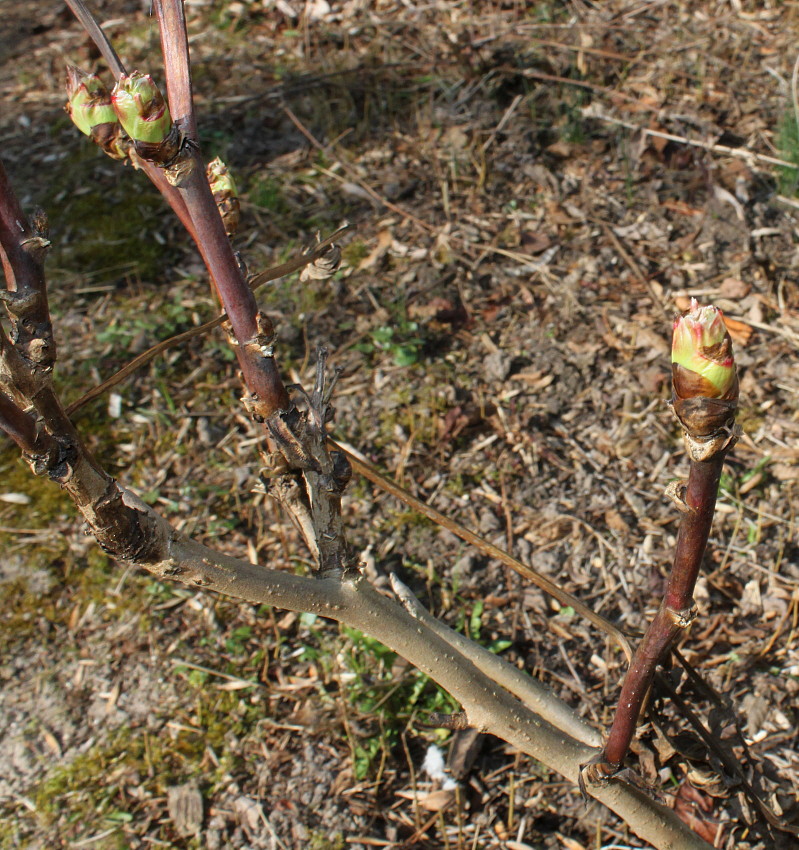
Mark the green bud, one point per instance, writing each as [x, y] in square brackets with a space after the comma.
[90, 108]
[701, 354]
[89, 101]
[220, 178]
[225, 194]
[141, 109]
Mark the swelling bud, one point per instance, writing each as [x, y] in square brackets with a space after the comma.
[225, 194]
[704, 379]
[144, 114]
[701, 354]
[90, 108]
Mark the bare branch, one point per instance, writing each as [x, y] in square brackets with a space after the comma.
[89, 22]
[169, 554]
[533, 694]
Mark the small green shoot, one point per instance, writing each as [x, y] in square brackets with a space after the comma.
[401, 340]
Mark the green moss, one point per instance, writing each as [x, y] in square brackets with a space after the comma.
[319, 841]
[48, 501]
[354, 253]
[110, 231]
[91, 792]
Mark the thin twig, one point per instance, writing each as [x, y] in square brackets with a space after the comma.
[89, 22]
[712, 147]
[359, 464]
[145, 357]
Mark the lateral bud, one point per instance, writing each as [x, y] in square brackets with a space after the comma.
[144, 115]
[225, 194]
[90, 108]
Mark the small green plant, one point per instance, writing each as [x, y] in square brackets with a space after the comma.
[376, 691]
[401, 340]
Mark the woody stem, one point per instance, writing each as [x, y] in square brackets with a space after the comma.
[676, 610]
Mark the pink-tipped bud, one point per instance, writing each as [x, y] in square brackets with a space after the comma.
[704, 380]
[701, 354]
[143, 113]
[90, 108]
[141, 108]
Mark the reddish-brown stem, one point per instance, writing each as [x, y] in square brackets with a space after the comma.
[700, 500]
[175, 47]
[194, 205]
[19, 425]
[22, 250]
[676, 610]
[258, 366]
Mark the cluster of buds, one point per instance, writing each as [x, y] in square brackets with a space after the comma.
[225, 194]
[133, 114]
[704, 380]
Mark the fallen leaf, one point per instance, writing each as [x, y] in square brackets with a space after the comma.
[615, 521]
[731, 287]
[435, 801]
[384, 240]
[694, 809]
[185, 804]
[739, 331]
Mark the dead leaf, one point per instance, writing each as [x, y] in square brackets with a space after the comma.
[384, 240]
[694, 809]
[731, 287]
[739, 331]
[534, 242]
[681, 208]
[561, 149]
[615, 521]
[185, 805]
[465, 747]
[435, 801]
[566, 843]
